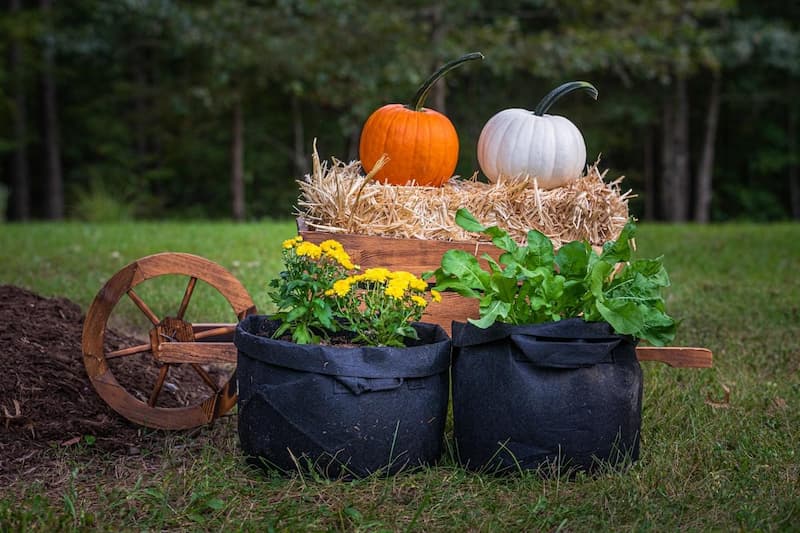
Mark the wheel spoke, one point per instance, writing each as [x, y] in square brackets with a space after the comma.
[186, 296]
[143, 307]
[208, 380]
[133, 350]
[224, 330]
[162, 375]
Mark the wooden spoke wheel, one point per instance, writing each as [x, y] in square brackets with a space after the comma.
[174, 343]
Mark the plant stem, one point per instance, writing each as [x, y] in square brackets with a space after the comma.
[563, 90]
[422, 93]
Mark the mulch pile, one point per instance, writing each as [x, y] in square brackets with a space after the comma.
[46, 398]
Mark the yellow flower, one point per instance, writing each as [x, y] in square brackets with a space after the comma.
[399, 283]
[419, 300]
[378, 275]
[341, 286]
[331, 245]
[341, 257]
[308, 249]
[436, 295]
[288, 244]
[410, 280]
[394, 291]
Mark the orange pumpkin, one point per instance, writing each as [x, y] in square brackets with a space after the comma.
[421, 144]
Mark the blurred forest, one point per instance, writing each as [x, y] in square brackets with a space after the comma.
[114, 109]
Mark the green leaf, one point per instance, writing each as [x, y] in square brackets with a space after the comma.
[624, 316]
[597, 277]
[216, 504]
[504, 288]
[301, 334]
[538, 251]
[653, 270]
[573, 259]
[465, 267]
[491, 311]
[493, 265]
[296, 313]
[456, 285]
[659, 328]
[502, 239]
[619, 251]
[468, 222]
[553, 287]
[324, 314]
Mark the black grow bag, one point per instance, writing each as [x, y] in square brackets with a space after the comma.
[342, 411]
[565, 393]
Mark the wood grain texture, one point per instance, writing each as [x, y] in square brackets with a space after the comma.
[197, 352]
[677, 356]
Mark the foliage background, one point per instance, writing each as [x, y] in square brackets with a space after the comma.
[145, 96]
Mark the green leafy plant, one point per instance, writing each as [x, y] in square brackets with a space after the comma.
[320, 293]
[534, 283]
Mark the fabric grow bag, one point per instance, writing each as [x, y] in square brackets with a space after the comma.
[342, 411]
[565, 393]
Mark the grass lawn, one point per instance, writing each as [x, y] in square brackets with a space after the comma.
[706, 463]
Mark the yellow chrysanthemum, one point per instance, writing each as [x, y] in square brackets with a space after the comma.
[341, 257]
[288, 244]
[419, 300]
[436, 296]
[400, 284]
[308, 249]
[378, 275]
[410, 279]
[342, 286]
[331, 245]
[394, 291]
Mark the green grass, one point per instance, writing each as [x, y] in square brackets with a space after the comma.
[705, 464]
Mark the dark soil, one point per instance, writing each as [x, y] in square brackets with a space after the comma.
[47, 401]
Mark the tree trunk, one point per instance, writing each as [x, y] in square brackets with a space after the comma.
[55, 181]
[666, 187]
[301, 160]
[705, 170]
[794, 165]
[140, 104]
[649, 175]
[20, 175]
[675, 178]
[681, 199]
[237, 162]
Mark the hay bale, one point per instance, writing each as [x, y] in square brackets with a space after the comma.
[339, 198]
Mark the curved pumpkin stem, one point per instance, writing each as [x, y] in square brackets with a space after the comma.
[422, 93]
[563, 90]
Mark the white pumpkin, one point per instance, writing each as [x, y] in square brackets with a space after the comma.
[517, 143]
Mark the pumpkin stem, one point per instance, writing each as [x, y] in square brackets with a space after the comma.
[422, 93]
[563, 90]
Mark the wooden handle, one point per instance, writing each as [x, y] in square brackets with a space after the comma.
[676, 356]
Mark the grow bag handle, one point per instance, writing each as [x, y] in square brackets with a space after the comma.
[361, 385]
[576, 353]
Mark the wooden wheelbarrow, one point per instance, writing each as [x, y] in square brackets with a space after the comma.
[174, 341]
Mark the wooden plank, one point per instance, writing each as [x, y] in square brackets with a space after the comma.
[412, 255]
[676, 356]
[197, 352]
